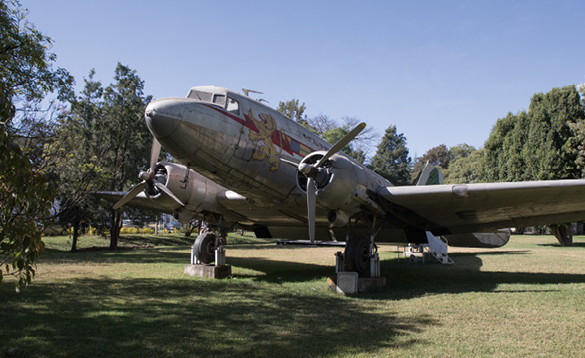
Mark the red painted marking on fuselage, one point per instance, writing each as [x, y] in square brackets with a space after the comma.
[279, 138]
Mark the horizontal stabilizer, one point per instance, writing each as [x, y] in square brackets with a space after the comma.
[488, 239]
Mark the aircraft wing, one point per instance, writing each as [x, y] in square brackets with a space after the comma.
[163, 204]
[467, 208]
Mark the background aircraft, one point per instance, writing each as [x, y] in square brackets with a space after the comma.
[246, 164]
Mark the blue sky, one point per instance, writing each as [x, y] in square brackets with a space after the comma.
[443, 72]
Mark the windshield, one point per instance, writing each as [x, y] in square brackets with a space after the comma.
[202, 96]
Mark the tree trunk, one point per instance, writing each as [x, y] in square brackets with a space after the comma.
[115, 226]
[563, 234]
[76, 226]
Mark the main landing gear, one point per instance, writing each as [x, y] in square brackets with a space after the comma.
[358, 268]
[208, 248]
[206, 245]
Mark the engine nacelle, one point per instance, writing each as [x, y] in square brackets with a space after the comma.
[194, 190]
[342, 186]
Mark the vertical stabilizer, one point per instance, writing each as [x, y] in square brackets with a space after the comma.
[430, 175]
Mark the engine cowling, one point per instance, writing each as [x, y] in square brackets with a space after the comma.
[194, 190]
[342, 186]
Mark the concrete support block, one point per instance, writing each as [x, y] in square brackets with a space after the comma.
[208, 271]
[348, 283]
[371, 284]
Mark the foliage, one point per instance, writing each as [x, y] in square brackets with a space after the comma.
[77, 168]
[391, 159]
[438, 156]
[110, 123]
[468, 169]
[330, 130]
[25, 199]
[26, 77]
[539, 144]
[578, 140]
[293, 110]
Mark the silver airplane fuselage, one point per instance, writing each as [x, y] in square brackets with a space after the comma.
[238, 142]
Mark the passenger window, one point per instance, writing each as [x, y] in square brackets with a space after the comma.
[233, 106]
[219, 99]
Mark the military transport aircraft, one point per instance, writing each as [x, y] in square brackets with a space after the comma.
[247, 165]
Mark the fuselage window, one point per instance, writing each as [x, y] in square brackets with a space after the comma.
[219, 99]
[233, 106]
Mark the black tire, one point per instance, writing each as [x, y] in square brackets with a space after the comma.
[357, 255]
[205, 247]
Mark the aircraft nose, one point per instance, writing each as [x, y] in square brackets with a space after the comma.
[163, 116]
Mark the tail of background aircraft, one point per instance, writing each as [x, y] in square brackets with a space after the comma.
[432, 175]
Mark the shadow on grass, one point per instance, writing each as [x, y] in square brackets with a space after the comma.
[190, 318]
[576, 245]
[279, 271]
[407, 281]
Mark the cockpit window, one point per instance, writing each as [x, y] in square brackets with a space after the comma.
[202, 96]
[233, 106]
[219, 99]
[216, 98]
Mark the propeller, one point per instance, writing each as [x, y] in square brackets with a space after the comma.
[149, 182]
[315, 172]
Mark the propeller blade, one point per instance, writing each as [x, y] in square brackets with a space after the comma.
[131, 195]
[311, 207]
[342, 143]
[154, 154]
[289, 162]
[168, 192]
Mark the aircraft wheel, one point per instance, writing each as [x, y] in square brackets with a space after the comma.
[205, 247]
[357, 255]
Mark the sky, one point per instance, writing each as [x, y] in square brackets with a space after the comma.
[442, 72]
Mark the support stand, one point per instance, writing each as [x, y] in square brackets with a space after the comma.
[349, 282]
[217, 271]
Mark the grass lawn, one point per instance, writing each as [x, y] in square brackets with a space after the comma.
[525, 299]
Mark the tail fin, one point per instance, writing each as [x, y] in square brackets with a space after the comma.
[430, 175]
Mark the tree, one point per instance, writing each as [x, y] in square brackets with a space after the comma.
[77, 168]
[125, 139]
[333, 135]
[541, 144]
[460, 151]
[437, 156]
[548, 150]
[293, 110]
[391, 159]
[26, 76]
[578, 140]
[468, 169]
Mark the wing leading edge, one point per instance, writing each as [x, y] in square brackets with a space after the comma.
[466, 208]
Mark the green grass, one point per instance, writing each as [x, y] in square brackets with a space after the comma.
[526, 299]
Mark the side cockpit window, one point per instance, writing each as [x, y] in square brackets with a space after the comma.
[219, 99]
[233, 106]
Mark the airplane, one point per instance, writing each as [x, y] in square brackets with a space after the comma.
[245, 164]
